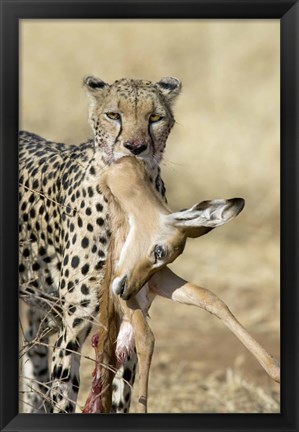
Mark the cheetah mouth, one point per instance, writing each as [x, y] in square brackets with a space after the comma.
[146, 153]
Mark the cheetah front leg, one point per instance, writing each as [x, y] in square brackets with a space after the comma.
[65, 377]
[123, 383]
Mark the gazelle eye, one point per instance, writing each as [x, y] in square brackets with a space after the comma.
[113, 115]
[154, 118]
[159, 253]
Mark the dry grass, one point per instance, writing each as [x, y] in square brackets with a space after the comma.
[225, 143]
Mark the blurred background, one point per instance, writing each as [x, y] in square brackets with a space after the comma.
[225, 143]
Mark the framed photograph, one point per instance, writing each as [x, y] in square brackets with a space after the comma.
[218, 81]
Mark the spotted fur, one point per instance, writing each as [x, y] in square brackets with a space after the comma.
[65, 232]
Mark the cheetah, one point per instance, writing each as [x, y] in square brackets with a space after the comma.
[64, 232]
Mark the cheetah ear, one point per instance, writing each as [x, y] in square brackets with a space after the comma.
[169, 87]
[94, 86]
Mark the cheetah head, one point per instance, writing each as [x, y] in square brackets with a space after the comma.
[131, 117]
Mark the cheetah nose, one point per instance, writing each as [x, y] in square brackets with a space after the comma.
[135, 147]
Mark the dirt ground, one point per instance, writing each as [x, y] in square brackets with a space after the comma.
[225, 143]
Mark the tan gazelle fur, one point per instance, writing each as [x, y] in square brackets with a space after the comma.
[150, 224]
[146, 236]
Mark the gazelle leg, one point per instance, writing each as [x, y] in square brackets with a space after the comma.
[167, 284]
[145, 341]
[100, 397]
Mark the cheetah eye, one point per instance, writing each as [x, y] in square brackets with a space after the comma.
[159, 253]
[155, 117]
[113, 115]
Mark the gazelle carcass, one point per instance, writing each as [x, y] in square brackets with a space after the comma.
[146, 236]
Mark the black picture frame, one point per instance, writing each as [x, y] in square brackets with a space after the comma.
[287, 11]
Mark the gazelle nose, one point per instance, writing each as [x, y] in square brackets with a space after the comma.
[119, 285]
[135, 147]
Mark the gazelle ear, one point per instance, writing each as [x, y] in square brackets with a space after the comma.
[169, 87]
[203, 217]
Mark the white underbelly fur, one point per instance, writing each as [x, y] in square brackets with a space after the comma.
[125, 342]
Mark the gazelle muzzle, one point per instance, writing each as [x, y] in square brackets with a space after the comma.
[119, 286]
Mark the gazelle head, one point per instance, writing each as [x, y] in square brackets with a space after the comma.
[147, 235]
